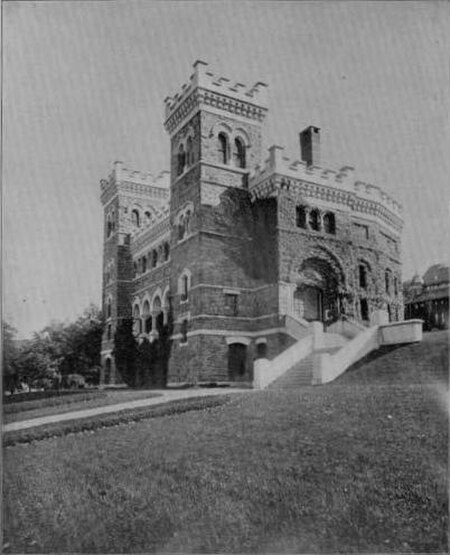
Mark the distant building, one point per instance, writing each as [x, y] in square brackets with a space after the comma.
[234, 243]
[427, 298]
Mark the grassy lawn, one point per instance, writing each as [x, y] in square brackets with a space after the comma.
[358, 465]
[26, 410]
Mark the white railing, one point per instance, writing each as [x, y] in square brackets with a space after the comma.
[266, 371]
[328, 367]
[295, 327]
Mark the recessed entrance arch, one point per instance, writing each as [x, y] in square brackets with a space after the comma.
[316, 297]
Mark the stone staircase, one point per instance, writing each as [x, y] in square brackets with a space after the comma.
[301, 374]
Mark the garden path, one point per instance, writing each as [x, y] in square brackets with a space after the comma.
[164, 396]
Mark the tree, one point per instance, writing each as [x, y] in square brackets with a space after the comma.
[10, 354]
[125, 352]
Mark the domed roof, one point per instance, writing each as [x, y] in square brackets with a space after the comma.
[416, 280]
[438, 273]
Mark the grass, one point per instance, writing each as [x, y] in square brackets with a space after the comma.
[358, 465]
[127, 416]
[26, 410]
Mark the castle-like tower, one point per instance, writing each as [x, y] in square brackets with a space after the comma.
[241, 253]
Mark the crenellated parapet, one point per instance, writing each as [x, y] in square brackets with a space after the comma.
[138, 183]
[205, 90]
[279, 173]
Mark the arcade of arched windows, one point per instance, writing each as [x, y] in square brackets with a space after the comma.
[231, 149]
[314, 219]
[149, 315]
[157, 256]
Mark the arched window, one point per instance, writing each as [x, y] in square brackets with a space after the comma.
[181, 160]
[189, 152]
[395, 286]
[154, 258]
[144, 264]
[135, 269]
[362, 271]
[166, 251]
[108, 308]
[108, 334]
[157, 304]
[239, 153]
[135, 218]
[329, 223]
[223, 148]
[300, 216]
[147, 317]
[148, 217]
[314, 220]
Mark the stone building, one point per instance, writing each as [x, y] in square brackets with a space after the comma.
[236, 245]
[427, 298]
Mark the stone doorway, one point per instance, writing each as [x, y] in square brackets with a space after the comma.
[237, 361]
[316, 297]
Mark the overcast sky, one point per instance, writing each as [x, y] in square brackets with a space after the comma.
[84, 84]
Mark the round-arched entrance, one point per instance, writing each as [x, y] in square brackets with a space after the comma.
[316, 297]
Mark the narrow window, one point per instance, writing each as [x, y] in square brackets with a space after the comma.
[108, 334]
[301, 216]
[184, 288]
[395, 286]
[135, 269]
[314, 220]
[189, 153]
[144, 264]
[181, 228]
[108, 309]
[166, 251]
[329, 223]
[148, 217]
[231, 304]
[154, 258]
[137, 327]
[135, 218]
[223, 148]
[387, 282]
[109, 226]
[239, 153]
[362, 276]
[184, 330]
[181, 160]
[187, 222]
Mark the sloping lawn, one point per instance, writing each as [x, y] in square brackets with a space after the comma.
[347, 467]
[26, 410]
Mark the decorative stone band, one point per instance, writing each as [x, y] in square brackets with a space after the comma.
[202, 99]
[150, 233]
[230, 334]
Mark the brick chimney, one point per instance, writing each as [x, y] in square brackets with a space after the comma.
[310, 145]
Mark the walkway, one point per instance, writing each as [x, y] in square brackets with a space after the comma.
[164, 396]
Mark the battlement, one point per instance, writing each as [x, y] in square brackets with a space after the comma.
[121, 173]
[342, 179]
[204, 79]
